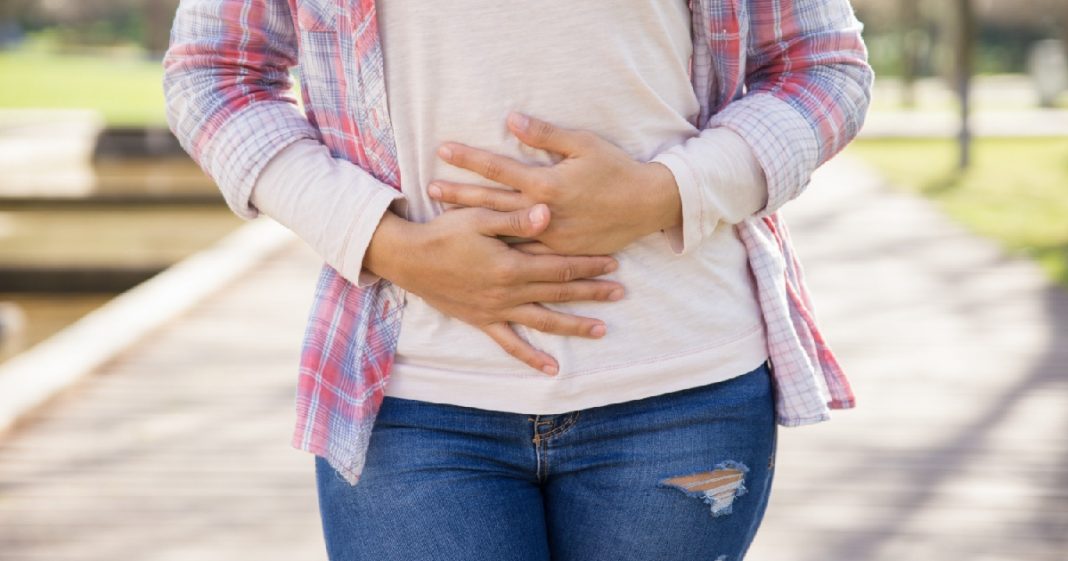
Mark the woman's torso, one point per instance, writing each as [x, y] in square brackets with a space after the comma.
[621, 69]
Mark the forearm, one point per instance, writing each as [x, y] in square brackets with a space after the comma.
[331, 204]
[717, 178]
[391, 248]
[662, 198]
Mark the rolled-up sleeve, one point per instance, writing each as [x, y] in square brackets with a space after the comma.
[228, 90]
[808, 88]
[329, 203]
[719, 181]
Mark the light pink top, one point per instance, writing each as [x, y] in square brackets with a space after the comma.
[690, 316]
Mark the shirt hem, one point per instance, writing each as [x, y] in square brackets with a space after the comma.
[546, 395]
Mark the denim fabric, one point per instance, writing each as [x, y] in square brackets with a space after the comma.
[449, 483]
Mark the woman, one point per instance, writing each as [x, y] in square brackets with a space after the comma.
[587, 355]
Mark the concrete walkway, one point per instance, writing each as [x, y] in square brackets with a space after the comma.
[959, 357]
[179, 449]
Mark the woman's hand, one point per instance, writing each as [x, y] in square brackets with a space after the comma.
[601, 199]
[459, 266]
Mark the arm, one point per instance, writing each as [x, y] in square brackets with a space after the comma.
[357, 235]
[227, 88]
[603, 200]
[434, 260]
[324, 201]
[808, 90]
[809, 87]
[718, 179]
[227, 84]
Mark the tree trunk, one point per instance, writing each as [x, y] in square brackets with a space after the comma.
[158, 17]
[910, 35]
[965, 66]
[7, 11]
[1062, 18]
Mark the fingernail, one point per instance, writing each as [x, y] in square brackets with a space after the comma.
[445, 152]
[598, 331]
[611, 267]
[549, 369]
[519, 120]
[616, 294]
[434, 190]
[537, 214]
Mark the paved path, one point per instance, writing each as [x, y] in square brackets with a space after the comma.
[957, 450]
[959, 357]
[179, 449]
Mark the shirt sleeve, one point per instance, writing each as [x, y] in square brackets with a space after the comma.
[807, 90]
[719, 179]
[329, 203]
[228, 90]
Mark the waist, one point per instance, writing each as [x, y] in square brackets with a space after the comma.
[674, 305]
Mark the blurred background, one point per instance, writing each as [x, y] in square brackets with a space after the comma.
[936, 246]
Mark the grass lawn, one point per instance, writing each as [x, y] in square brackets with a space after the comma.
[126, 89]
[1016, 191]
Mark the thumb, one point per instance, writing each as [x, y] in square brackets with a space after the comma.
[523, 223]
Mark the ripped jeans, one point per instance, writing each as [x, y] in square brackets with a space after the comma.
[679, 476]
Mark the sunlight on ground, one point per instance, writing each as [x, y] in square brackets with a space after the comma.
[1016, 191]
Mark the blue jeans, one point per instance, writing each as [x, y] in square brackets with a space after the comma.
[680, 476]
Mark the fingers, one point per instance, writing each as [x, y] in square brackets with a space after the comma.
[524, 223]
[533, 248]
[494, 167]
[563, 268]
[601, 291]
[550, 321]
[501, 200]
[503, 334]
[542, 134]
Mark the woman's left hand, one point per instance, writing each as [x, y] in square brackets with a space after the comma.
[600, 198]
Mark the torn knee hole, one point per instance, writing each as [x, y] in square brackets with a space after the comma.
[718, 487]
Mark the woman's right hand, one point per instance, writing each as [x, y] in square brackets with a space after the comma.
[459, 266]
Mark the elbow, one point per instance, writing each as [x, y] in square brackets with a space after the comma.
[850, 86]
[180, 83]
[835, 96]
[862, 102]
[173, 108]
[827, 78]
[851, 99]
[855, 80]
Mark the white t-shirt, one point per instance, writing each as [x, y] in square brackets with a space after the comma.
[454, 70]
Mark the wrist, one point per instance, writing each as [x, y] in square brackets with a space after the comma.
[663, 203]
[391, 248]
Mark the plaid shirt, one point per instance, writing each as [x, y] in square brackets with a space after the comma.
[790, 76]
